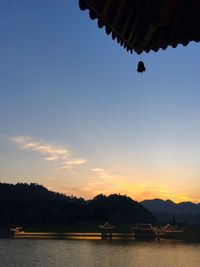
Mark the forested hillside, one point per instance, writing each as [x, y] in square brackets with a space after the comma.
[34, 204]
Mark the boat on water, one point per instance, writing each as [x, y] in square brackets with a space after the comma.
[170, 232]
[106, 230]
[144, 231]
[16, 229]
[106, 226]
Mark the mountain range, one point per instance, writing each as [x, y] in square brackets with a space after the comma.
[26, 204]
[164, 210]
[35, 204]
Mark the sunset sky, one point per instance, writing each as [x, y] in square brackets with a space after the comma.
[76, 117]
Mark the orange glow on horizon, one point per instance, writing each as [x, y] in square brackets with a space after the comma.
[139, 195]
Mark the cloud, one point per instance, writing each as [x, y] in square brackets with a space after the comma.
[104, 181]
[49, 151]
[68, 165]
[53, 158]
[76, 162]
[97, 170]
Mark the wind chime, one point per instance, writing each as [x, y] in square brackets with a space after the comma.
[141, 68]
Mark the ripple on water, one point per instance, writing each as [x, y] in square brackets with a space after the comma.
[84, 253]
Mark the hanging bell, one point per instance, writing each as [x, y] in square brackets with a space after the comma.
[141, 68]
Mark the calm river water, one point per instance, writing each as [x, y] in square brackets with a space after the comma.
[85, 253]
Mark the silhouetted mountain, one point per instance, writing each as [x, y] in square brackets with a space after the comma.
[34, 204]
[119, 208]
[184, 212]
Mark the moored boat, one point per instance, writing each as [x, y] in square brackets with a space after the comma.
[106, 226]
[144, 231]
[170, 232]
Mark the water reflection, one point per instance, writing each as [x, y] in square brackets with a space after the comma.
[98, 253]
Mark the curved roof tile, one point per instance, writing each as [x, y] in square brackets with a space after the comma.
[145, 25]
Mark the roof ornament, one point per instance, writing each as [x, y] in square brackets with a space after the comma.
[141, 68]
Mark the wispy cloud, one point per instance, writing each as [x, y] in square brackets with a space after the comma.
[105, 181]
[76, 162]
[49, 151]
[69, 164]
[98, 170]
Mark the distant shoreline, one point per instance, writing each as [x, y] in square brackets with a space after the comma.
[92, 232]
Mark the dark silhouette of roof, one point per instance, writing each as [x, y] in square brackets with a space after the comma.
[145, 25]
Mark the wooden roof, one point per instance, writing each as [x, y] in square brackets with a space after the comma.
[144, 25]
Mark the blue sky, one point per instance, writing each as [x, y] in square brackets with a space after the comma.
[77, 117]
